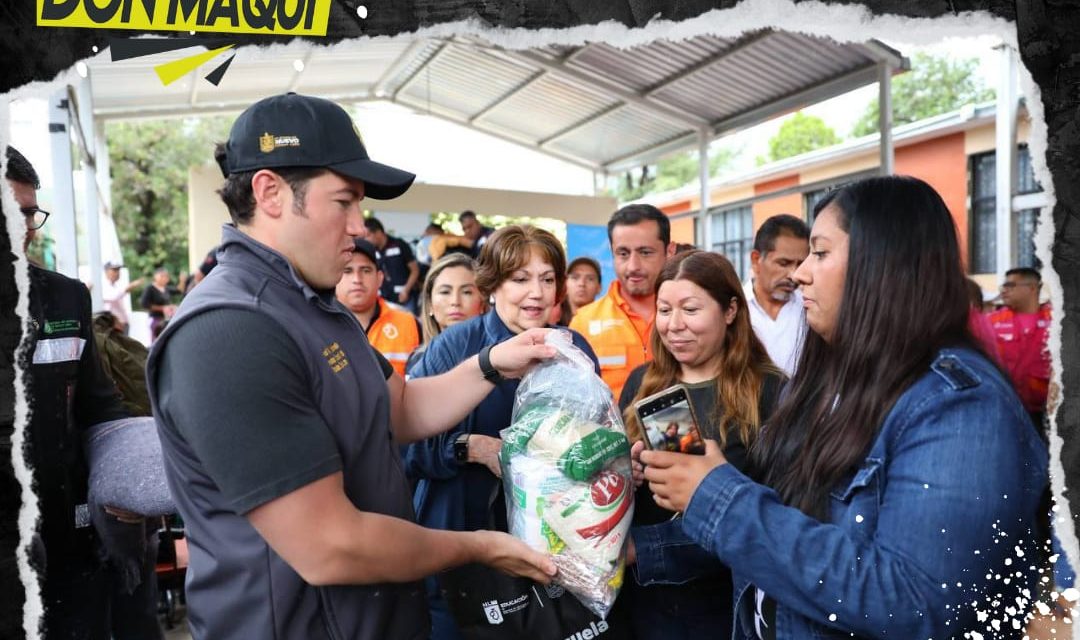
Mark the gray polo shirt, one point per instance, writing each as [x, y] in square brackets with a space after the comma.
[260, 386]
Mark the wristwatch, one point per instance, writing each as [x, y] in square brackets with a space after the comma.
[461, 448]
[491, 374]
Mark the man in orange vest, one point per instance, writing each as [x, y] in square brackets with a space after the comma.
[393, 332]
[617, 325]
[1021, 328]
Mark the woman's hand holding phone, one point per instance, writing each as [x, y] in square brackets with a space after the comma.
[674, 477]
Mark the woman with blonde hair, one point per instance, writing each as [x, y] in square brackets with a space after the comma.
[523, 270]
[449, 296]
[702, 339]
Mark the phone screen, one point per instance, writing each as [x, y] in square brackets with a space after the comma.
[669, 423]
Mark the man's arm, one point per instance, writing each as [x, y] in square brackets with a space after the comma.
[424, 407]
[410, 283]
[328, 541]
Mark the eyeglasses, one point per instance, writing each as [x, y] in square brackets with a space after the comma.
[1012, 285]
[36, 217]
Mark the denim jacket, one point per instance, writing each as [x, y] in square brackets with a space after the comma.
[933, 535]
[450, 494]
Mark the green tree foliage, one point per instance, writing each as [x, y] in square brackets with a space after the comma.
[933, 86]
[669, 173]
[149, 163]
[448, 220]
[799, 134]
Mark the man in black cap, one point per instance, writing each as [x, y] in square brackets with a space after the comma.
[284, 464]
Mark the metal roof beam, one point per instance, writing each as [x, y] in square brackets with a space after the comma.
[808, 96]
[559, 155]
[193, 96]
[398, 65]
[596, 82]
[216, 108]
[707, 63]
[509, 94]
[416, 74]
[884, 53]
[562, 133]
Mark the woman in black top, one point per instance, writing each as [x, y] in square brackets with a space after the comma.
[701, 338]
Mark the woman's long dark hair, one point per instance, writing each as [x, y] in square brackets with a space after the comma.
[904, 299]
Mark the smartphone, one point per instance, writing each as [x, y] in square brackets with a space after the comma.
[669, 422]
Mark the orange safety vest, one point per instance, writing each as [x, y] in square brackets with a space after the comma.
[394, 334]
[611, 332]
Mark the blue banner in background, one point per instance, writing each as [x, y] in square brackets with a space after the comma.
[590, 240]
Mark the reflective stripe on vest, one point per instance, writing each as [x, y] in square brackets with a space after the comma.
[53, 350]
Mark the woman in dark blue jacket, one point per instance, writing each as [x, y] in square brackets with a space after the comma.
[523, 269]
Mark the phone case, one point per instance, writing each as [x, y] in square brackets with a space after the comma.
[694, 424]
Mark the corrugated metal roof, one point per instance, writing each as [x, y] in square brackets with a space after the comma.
[596, 105]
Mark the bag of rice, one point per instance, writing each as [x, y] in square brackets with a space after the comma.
[566, 474]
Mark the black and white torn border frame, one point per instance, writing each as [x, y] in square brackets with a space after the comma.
[38, 59]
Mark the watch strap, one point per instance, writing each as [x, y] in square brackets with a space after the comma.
[491, 374]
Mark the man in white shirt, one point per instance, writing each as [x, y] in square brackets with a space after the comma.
[781, 244]
[113, 294]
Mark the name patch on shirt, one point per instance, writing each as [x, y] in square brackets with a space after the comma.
[56, 326]
[335, 357]
[393, 251]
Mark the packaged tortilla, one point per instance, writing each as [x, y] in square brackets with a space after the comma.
[566, 474]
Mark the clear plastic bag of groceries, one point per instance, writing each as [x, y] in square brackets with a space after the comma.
[566, 474]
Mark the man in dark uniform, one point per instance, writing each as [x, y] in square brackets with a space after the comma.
[401, 271]
[69, 392]
[284, 464]
[474, 231]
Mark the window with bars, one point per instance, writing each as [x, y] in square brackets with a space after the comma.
[983, 221]
[733, 236]
[810, 200]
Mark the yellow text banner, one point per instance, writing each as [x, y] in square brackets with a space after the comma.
[282, 17]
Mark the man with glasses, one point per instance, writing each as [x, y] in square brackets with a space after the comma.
[1021, 328]
[68, 392]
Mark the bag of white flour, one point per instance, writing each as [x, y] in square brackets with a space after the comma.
[566, 474]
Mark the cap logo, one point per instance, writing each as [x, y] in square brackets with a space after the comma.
[268, 143]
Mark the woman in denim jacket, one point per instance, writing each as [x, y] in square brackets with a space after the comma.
[902, 476]
[523, 269]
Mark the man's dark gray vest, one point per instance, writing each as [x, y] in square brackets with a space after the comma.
[237, 587]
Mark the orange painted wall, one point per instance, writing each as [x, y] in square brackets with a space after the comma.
[682, 230]
[677, 207]
[765, 209]
[942, 163]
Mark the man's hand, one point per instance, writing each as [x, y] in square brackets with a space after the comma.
[506, 553]
[485, 450]
[674, 477]
[515, 356]
[403, 296]
[637, 469]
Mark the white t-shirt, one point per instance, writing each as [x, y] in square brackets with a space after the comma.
[112, 297]
[783, 337]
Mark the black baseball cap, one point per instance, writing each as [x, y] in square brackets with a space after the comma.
[292, 130]
[363, 246]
